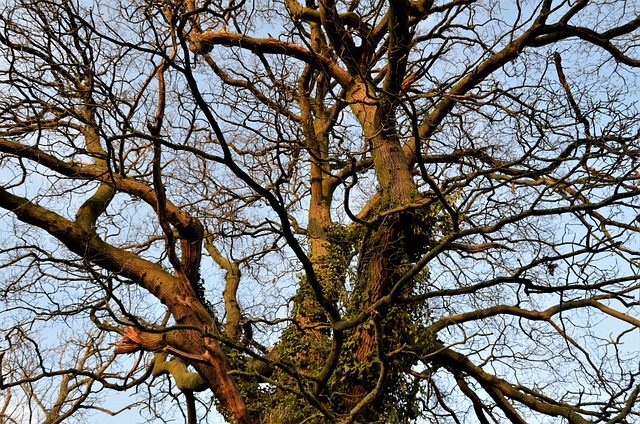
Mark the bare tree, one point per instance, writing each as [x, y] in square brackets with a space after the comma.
[336, 211]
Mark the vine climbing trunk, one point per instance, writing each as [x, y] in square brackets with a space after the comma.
[384, 246]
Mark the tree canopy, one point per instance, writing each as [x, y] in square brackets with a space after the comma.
[323, 211]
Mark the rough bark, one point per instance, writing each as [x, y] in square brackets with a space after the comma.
[176, 293]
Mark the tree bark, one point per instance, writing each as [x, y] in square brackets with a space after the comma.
[176, 293]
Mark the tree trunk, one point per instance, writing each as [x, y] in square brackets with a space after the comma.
[384, 250]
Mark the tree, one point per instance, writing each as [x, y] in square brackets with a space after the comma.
[334, 211]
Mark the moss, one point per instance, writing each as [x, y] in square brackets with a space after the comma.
[396, 241]
[184, 379]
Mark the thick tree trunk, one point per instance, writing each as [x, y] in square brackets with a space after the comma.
[384, 251]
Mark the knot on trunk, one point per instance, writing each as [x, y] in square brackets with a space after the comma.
[135, 340]
[200, 44]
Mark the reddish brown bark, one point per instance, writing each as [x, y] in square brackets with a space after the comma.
[176, 293]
